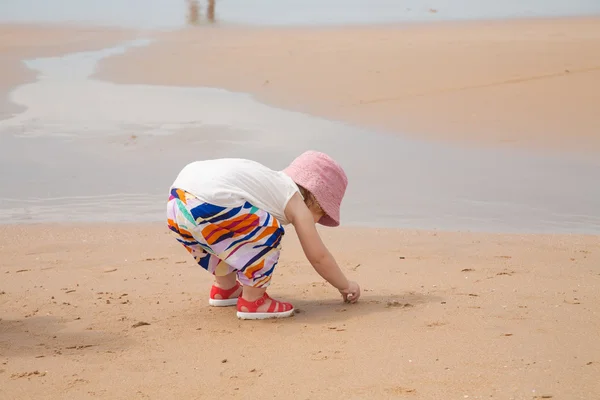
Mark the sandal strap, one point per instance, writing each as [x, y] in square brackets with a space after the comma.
[274, 307]
[225, 293]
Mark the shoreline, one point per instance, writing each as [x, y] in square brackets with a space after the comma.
[19, 42]
[337, 233]
[375, 229]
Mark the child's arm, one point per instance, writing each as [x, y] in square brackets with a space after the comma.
[316, 252]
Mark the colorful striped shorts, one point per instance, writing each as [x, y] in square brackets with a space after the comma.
[223, 240]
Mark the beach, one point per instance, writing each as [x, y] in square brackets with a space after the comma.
[502, 301]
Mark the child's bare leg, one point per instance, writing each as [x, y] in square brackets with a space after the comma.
[226, 281]
[252, 293]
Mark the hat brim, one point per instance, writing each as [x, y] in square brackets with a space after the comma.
[326, 220]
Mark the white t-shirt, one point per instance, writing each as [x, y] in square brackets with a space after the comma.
[230, 182]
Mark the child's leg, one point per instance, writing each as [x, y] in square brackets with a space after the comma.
[256, 304]
[255, 278]
[249, 240]
[226, 281]
[226, 285]
[251, 293]
[242, 238]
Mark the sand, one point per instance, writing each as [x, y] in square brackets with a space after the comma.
[19, 42]
[120, 311]
[525, 83]
[443, 315]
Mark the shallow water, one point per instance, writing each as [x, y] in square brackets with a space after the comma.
[86, 150]
[148, 14]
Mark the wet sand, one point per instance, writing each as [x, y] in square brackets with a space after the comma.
[444, 315]
[525, 83]
[19, 42]
[76, 127]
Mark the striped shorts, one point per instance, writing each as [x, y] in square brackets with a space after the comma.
[223, 240]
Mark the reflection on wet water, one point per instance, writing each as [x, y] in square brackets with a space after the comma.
[86, 150]
[195, 13]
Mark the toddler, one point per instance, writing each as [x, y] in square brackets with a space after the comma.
[230, 213]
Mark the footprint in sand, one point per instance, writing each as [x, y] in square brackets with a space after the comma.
[397, 390]
[398, 304]
[506, 272]
[27, 374]
[436, 324]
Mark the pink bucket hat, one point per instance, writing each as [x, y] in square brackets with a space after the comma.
[324, 178]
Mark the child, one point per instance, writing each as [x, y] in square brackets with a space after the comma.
[229, 214]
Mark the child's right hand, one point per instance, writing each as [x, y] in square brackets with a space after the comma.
[352, 293]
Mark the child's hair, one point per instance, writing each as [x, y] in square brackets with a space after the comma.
[309, 198]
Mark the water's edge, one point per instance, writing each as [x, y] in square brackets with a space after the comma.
[103, 152]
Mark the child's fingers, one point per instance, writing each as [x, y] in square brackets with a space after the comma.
[351, 297]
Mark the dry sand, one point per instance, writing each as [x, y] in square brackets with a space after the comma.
[19, 42]
[443, 316]
[522, 83]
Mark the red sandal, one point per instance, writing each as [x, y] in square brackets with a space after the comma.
[226, 298]
[277, 309]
